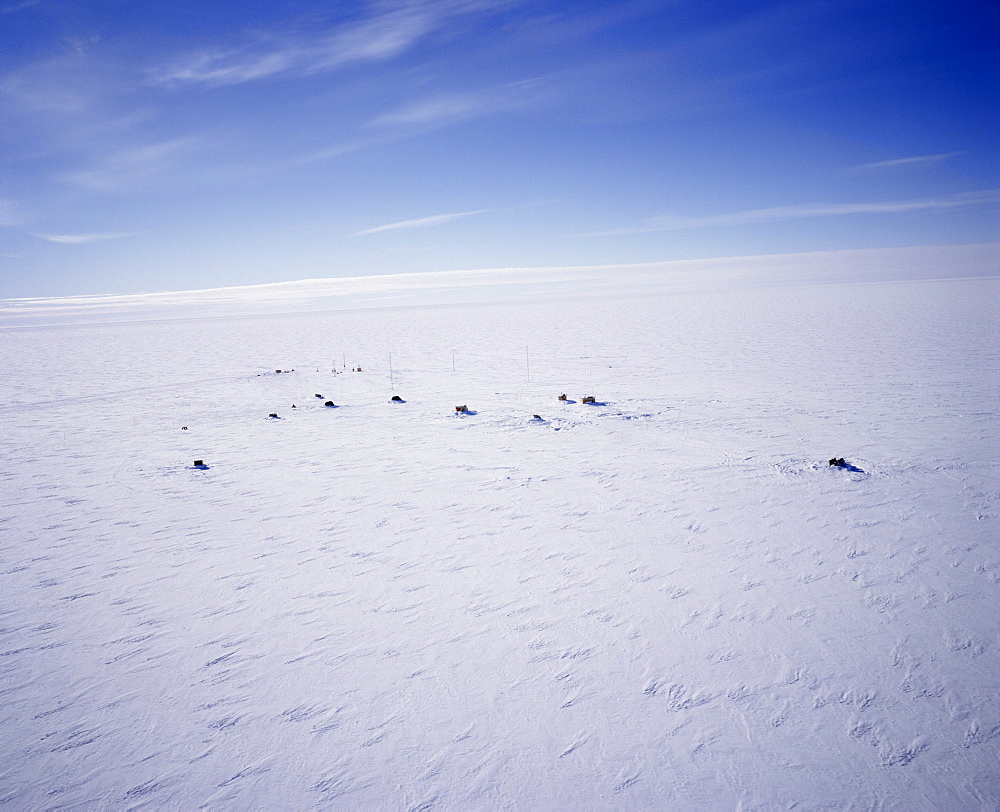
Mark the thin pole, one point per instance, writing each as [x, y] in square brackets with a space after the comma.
[453, 361]
[391, 386]
[527, 363]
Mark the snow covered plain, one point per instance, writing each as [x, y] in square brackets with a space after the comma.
[665, 600]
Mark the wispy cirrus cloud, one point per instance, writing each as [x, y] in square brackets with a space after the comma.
[8, 213]
[446, 108]
[19, 6]
[64, 86]
[127, 167]
[753, 216]
[917, 159]
[443, 108]
[375, 38]
[420, 222]
[80, 239]
[433, 112]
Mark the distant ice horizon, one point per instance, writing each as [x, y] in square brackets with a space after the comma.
[485, 285]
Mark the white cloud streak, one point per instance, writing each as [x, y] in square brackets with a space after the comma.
[79, 239]
[125, 168]
[436, 111]
[19, 6]
[917, 159]
[672, 223]
[376, 38]
[447, 108]
[421, 222]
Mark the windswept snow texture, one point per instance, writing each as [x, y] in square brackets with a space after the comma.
[664, 600]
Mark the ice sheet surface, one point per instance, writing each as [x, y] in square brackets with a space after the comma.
[664, 600]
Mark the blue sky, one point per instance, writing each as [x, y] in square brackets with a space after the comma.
[181, 145]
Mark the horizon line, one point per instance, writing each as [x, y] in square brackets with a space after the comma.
[496, 269]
